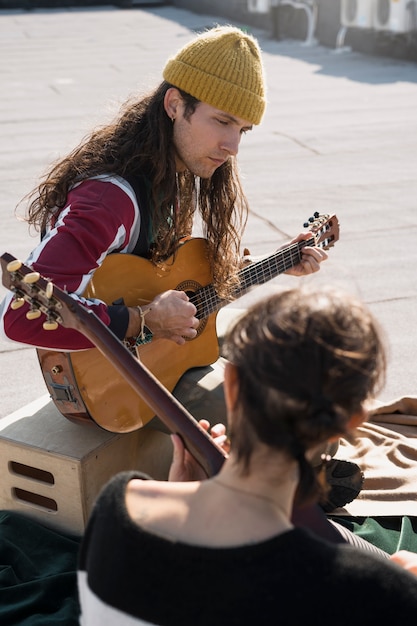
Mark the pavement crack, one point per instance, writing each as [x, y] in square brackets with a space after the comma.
[393, 299]
[298, 142]
[268, 222]
[7, 350]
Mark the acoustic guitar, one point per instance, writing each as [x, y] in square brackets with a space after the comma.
[85, 385]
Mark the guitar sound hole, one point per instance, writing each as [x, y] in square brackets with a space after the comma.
[200, 313]
[191, 288]
[200, 329]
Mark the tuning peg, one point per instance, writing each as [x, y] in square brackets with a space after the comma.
[14, 266]
[32, 277]
[50, 325]
[49, 290]
[312, 219]
[17, 303]
[33, 314]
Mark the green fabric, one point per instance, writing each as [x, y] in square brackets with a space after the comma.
[387, 533]
[38, 584]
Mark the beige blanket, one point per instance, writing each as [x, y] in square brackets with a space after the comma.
[385, 448]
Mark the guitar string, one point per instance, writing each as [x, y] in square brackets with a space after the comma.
[206, 299]
[278, 262]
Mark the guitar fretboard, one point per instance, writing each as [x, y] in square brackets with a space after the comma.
[206, 299]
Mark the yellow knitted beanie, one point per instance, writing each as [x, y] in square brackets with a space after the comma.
[223, 68]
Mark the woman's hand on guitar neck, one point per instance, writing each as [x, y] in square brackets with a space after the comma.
[311, 257]
[184, 467]
[170, 315]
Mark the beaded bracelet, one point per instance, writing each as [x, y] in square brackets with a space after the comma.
[145, 338]
[145, 335]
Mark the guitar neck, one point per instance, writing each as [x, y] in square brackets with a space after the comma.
[258, 273]
[272, 266]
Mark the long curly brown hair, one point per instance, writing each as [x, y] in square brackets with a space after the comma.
[140, 142]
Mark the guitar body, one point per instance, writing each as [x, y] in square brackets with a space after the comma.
[85, 385]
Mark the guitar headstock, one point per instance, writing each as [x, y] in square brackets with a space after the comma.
[43, 297]
[325, 229]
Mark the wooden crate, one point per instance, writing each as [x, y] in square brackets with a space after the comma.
[53, 469]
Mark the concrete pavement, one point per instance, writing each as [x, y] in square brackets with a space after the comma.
[339, 136]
